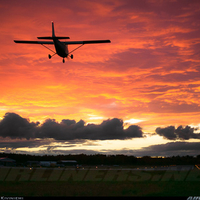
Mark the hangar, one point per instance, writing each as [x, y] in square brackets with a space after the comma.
[5, 161]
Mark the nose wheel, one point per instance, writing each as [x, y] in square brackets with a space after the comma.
[63, 60]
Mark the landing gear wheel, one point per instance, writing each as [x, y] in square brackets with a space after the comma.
[49, 56]
[63, 60]
[71, 56]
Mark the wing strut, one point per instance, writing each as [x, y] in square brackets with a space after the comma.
[76, 48]
[48, 48]
[50, 56]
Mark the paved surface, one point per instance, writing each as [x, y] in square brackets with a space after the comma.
[174, 168]
[143, 168]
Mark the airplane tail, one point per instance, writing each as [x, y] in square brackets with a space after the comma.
[53, 35]
[53, 32]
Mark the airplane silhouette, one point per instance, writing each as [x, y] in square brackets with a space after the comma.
[61, 47]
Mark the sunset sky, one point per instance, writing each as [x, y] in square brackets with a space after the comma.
[138, 95]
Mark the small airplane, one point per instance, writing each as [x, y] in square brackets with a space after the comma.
[60, 47]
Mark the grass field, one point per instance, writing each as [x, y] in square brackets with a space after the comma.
[104, 183]
[99, 189]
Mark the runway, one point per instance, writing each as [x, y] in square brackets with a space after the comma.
[164, 168]
[156, 173]
[111, 168]
[147, 168]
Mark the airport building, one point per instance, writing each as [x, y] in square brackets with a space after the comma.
[7, 162]
[64, 163]
[48, 163]
[61, 163]
[33, 163]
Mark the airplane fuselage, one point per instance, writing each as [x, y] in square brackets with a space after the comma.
[61, 48]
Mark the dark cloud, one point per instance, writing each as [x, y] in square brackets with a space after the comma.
[183, 133]
[134, 129]
[52, 135]
[14, 144]
[110, 129]
[17, 127]
[48, 144]
[167, 132]
[168, 149]
[172, 149]
[14, 126]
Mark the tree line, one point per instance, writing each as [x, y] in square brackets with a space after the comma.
[101, 159]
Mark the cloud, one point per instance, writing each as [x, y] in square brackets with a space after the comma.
[109, 129]
[167, 132]
[172, 149]
[14, 126]
[51, 137]
[23, 143]
[183, 133]
[168, 149]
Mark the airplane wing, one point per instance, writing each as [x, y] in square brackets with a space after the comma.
[67, 43]
[32, 42]
[87, 42]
